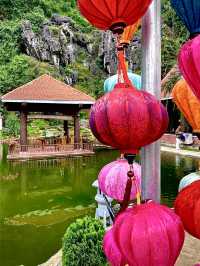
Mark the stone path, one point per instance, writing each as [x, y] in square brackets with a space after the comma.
[190, 254]
[56, 260]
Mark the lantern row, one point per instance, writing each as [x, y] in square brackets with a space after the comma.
[128, 118]
[187, 204]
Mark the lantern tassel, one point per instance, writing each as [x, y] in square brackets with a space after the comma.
[127, 194]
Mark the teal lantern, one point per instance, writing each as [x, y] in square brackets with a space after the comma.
[110, 83]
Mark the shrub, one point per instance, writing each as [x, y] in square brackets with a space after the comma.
[82, 243]
[12, 126]
[21, 70]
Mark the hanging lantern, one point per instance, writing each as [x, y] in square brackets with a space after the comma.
[128, 119]
[187, 206]
[187, 103]
[110, 83]
[113, 179]
[148, 234]
[188, 180]
[125, 118]
[128, 33]
[113, 14]
[188, 11]
[111, 250]
[189, 64]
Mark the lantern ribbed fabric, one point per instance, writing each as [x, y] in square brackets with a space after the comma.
[112, 251]
[113, 179]
[189, 64]
[103, 14]
[188, 11]
[128, 119]
[128, 33]
[110, 82]
[188, 180]
[187, 206]
[147, 234]
[187, 103]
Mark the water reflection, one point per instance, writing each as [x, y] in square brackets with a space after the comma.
[173, 169]
[39, 198]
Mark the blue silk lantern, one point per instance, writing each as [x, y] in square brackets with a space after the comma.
[188, 180]
[188, 11]
[110, 83]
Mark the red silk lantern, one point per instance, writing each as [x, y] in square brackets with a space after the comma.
[128, 119]
[189, 64]
[187, 206]
[113, 14]
[148, 234]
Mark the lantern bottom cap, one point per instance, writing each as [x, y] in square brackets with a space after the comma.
[131, 151]
[118, 26]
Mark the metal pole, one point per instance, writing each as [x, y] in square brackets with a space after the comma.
[151, 82]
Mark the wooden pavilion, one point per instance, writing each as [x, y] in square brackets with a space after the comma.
[50, 98]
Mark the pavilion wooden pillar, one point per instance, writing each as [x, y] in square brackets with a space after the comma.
[66, 131]
[76, 130]
[23, 127]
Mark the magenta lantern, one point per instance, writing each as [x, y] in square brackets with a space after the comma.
[128, 119]
[111, 250]
[148, 234]
[113, 179]
[189, 64]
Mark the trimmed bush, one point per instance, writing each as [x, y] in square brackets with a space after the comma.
[82, 243]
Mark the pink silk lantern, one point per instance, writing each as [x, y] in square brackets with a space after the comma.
[148, 234]
[113, 179]
[128, 119]
[189, 64]
[111, 250]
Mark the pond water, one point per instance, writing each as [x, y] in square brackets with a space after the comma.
[38, 199]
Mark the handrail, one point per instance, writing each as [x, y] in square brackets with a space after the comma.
[49, 148]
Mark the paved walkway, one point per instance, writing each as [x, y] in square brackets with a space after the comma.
[187, 153]
[190, 254]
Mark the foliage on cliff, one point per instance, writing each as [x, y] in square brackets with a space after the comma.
[17, 68]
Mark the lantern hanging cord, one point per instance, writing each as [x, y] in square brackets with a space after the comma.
[122, 69]
[138, 192]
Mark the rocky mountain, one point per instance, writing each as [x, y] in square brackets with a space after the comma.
[44, 36]
[60, 43]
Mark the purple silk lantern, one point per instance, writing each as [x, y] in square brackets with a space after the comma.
[113, 179]
[147, 234]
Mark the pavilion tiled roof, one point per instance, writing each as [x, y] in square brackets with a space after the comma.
[46, 89]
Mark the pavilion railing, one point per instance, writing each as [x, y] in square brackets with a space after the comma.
[53, 148]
